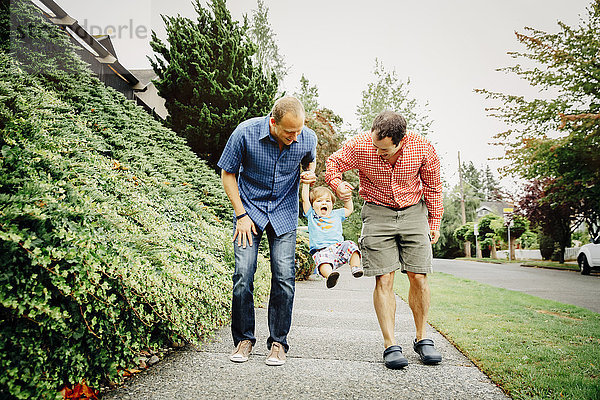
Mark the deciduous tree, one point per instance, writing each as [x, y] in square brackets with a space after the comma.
[488, 227]
[388, 92]
[329, 140]
[520, 225]
[465, 233]
[308, 95]
[556, 220]
[558, 136]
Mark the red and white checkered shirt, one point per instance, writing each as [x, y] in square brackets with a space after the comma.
[415, 175]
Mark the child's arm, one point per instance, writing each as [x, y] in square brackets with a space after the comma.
[349, 207]
[305, 197]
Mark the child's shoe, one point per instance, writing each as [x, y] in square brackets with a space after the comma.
[332, 279]
[357, 271]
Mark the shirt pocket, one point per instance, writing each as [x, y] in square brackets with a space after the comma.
[293, 157]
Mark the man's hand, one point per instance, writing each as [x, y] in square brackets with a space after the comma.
[308, 177]
[243, 231]
[344, 191]
[435, 235]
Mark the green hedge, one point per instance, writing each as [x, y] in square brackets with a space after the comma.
[114, 237]
[305, 264]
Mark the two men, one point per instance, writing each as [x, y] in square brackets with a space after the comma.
[400, 183]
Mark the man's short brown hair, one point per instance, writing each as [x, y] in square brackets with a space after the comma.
[389, 124]
[287, 104]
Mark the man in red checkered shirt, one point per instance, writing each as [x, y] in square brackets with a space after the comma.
[400, 182]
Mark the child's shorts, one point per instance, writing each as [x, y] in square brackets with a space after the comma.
[337, 254]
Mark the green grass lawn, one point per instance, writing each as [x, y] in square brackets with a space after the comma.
[531, 347]
[549, 264]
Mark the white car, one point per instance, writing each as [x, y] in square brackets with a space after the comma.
[589, 256]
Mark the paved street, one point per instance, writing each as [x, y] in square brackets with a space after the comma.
[564, 286]
[335, 353]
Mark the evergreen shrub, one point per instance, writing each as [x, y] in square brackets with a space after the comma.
[305, 264]
[114, 236]
[546, 243]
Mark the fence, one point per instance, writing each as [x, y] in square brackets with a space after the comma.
[570, 254]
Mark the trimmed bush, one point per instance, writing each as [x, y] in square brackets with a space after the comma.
[546, 246]
[305, 265]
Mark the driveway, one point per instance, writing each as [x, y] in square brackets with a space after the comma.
[564, 286]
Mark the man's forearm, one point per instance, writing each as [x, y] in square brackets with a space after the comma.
[333, 174]
[435, 206]
[435, 212]
[305, 193]
[305, 197]
[231, 189]
[349, 206]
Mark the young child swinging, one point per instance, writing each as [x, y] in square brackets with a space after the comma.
[327, 245]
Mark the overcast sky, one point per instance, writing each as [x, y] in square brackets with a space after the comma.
[447, 48]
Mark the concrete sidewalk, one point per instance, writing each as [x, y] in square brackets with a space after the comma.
[335, 353]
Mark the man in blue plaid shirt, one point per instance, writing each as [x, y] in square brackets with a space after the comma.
[261, 172]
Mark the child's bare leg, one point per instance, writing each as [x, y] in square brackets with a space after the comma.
[325, 269]
[355, 267]
[354, 259]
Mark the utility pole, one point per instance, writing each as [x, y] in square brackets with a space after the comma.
[477, 248]
[508, 221]
[462, 206]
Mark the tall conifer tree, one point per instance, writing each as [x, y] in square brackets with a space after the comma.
[206, 75]
[267, 54]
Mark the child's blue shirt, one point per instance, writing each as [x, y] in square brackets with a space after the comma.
[325, 231]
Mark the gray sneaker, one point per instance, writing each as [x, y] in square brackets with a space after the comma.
[241, 352]
[276, 355]
[357, 271]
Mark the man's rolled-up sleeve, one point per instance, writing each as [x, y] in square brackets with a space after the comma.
[339, 162]
[432, 188]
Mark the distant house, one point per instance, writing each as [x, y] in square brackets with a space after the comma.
[100, 54]
[492, 207]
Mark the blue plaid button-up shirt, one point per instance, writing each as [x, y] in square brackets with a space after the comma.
[268, 179]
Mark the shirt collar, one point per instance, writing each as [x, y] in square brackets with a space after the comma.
[409, 136]
[315, 216]
[266, 129]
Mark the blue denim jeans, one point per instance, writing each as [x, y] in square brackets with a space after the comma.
[282, 251]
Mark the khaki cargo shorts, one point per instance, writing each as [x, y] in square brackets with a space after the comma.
[392, 240]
